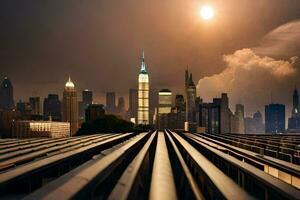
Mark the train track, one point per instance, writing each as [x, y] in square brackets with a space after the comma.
[153, 165]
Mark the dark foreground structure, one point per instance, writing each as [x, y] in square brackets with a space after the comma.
[154, 165]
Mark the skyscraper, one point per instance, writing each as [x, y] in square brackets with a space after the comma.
[294, 120]
[35, 105]
[70, 106]
[53, 107]
[275, 118]
[110, 103]
[143, 94]
[190, 90]
[6, 95]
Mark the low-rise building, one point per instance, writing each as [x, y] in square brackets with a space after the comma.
[33, 129]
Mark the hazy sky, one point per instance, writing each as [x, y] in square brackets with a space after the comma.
[99, 43]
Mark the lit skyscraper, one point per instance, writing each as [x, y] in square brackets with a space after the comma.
[143, 94]
[6, 95]
[70, 106]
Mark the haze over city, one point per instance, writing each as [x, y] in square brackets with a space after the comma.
[97, 42]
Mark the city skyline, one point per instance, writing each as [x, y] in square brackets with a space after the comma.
[179, 39]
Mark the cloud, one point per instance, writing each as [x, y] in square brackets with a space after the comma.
[254, 76]
[282, 41]
[250, 79]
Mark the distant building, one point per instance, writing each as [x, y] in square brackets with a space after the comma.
[133, 105]
[93, 112]
[7, 117]
[190, 89]
[294, 120]
[143, 94]
[53, 107]
[33, 129]
[179, 103]
[87, 99]
[238, 125]
[164, 108]
[216, 117]
[275, 118]
[110, 103]
[35, 104]
[70, 106]
[254, 125]
[25, 109]
[6, 95]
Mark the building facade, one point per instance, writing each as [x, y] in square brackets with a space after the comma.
[275, 118]
[143, 94]
[70, 106]
[33, 129]
[6, 95]
[216, 117]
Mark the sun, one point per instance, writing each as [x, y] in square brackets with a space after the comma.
[207, 12]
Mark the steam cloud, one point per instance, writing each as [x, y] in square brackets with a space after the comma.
[252, 78]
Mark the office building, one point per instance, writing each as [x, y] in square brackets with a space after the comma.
[216, 117]
[34, 129]
[143, 94]
[70, 106]
[6, 95]
[53, 107]
[35, 105]
[93, 112]
[275, 118]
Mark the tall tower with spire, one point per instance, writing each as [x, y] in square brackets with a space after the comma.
[70, 106]
[190, 89]
[143, 94]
